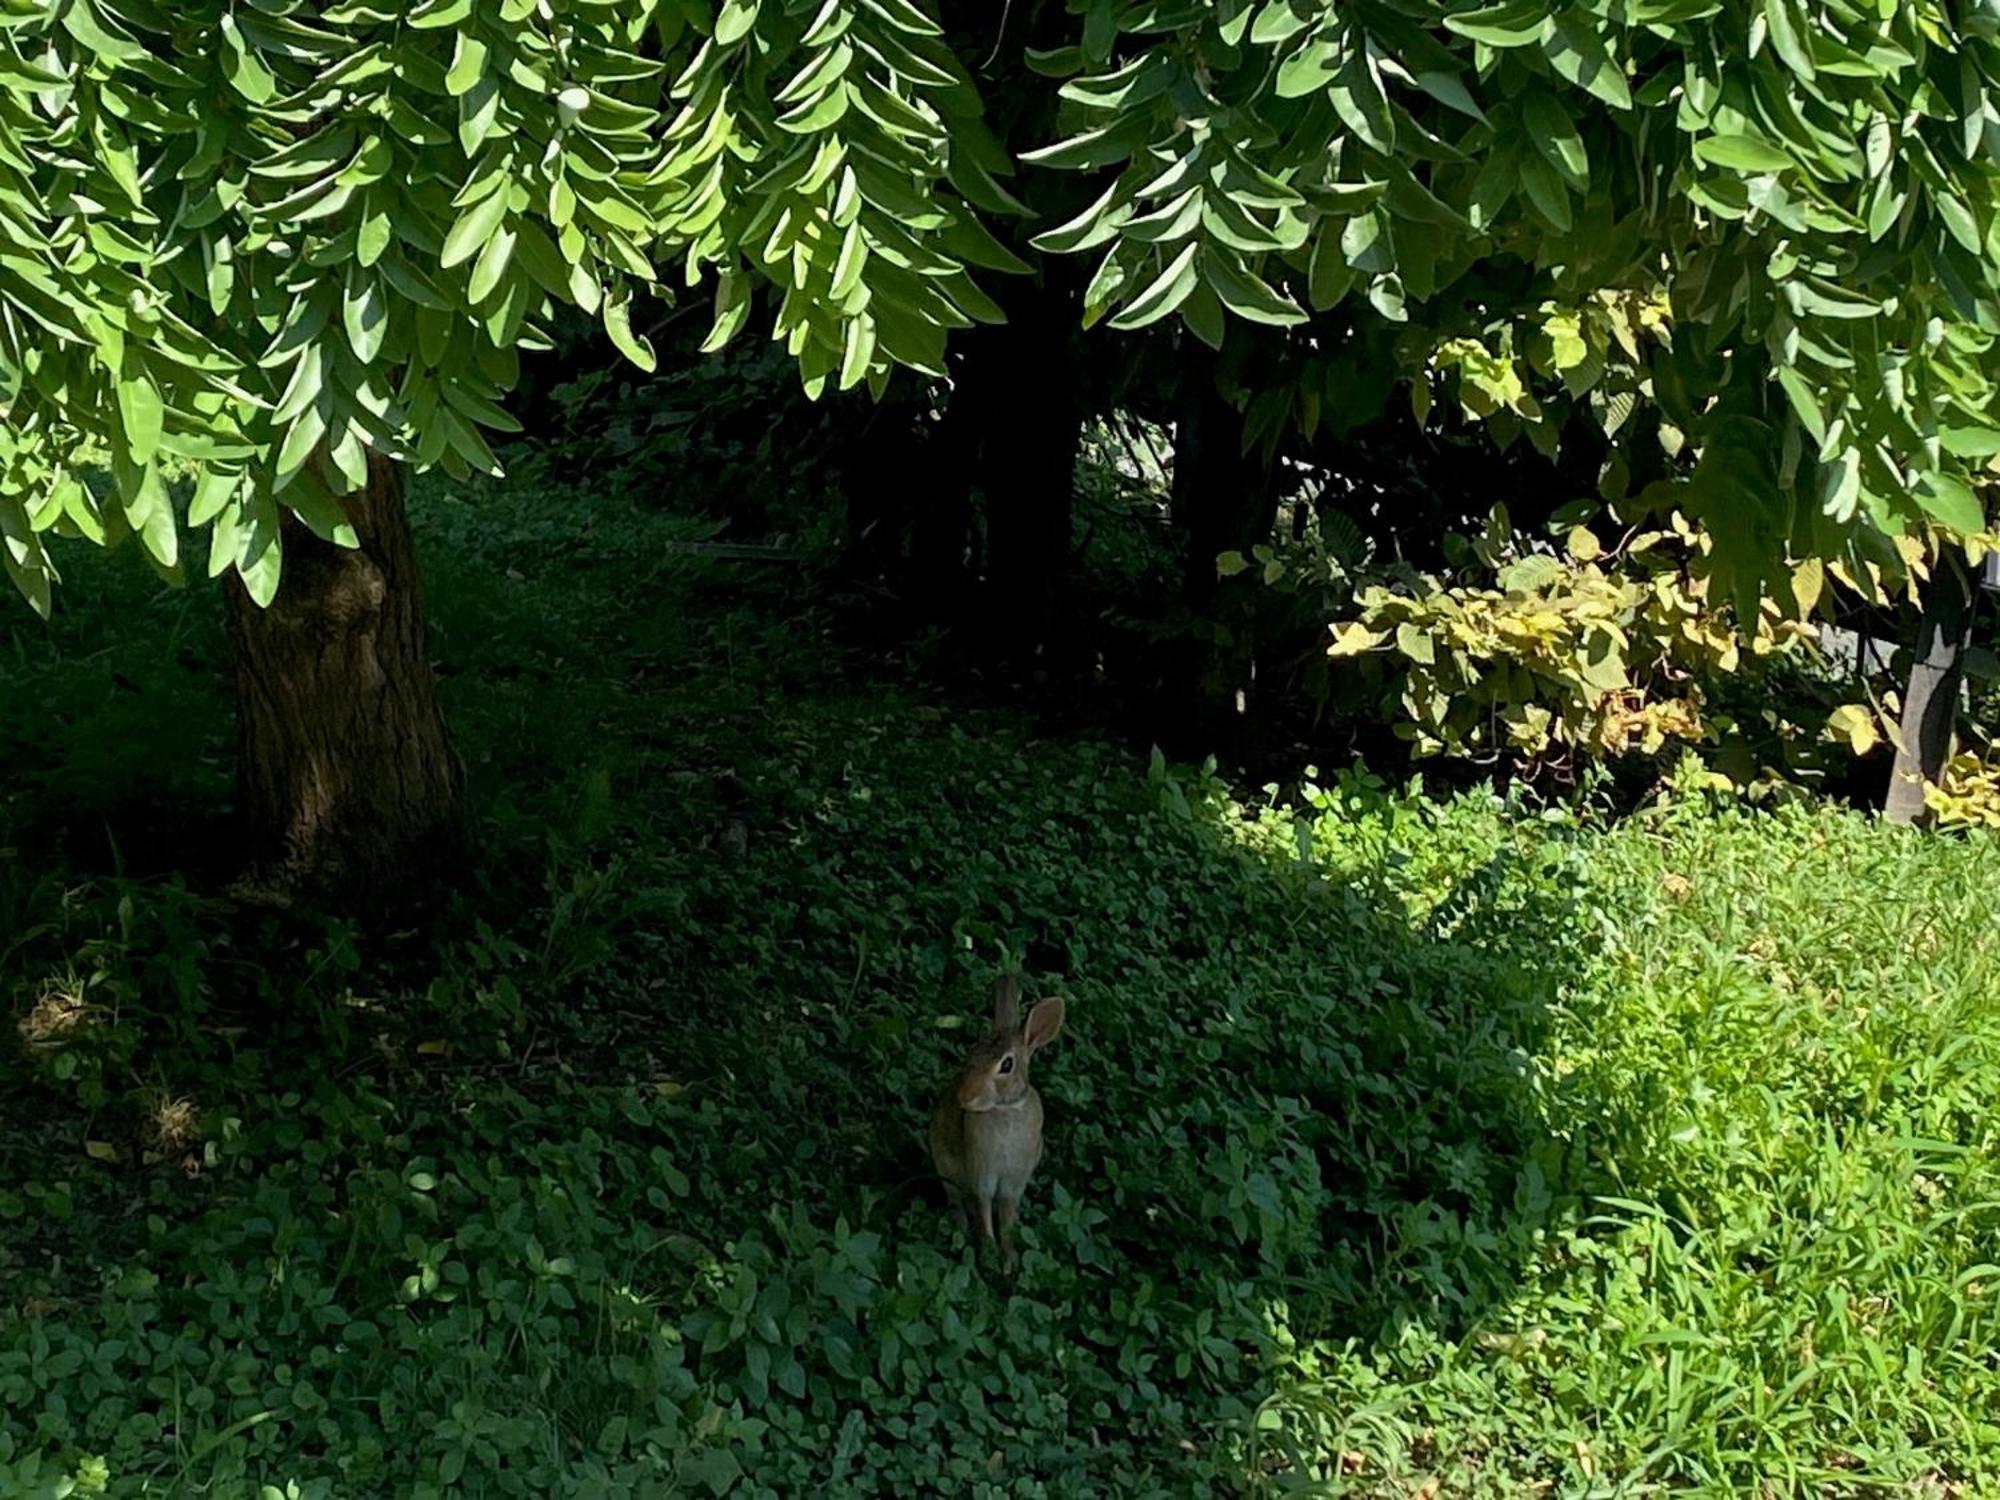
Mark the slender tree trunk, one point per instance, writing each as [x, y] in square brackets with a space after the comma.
[940, 539]
[1223, 500]
[1026, 388]
[1029, 485]
[347, 784]
[1930, 703]
[876, 512]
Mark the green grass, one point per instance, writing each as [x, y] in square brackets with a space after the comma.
[1396, 1147]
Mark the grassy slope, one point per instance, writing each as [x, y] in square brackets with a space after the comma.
[1408, 1145]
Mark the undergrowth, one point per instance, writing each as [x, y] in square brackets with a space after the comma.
[1398, 1146]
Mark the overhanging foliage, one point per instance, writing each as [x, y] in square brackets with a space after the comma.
[259, 238]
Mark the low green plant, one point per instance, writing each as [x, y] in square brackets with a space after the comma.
[1398, 1145]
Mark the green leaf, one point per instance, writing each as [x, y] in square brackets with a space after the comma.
[732, 308]
[491, 266]
[1555, 136]
[1246, 294]
[81, 21]
[827, 65]
[1202, 314]
[213, 490]
[857, 352]
[1416, 644]
[1971, 442]
[27, 561]
[1278, 21]
[1840, 485]
[1366, 243]
[143, 498]
[373, 236]
[1529, 574]
[1166, 292]
[1951, 502]
[1813, 295]
[1449, 90]
[1518, 23]
[1578, 54]
[815, 115]
[466, 442]
[1101, 147]
[585, 289]
[616, 212]
[1742, 153]
[1789, 38]
[478, 110]
[538, 255]
[1879, 146]
[1604, 665]
[242, 67]
[618, 324]
[460, 396]
[1885, 207]
[1805, 402]
[1360, 102]
[260, 548]
[735, 22]
[1958, 221]
[1387, 296]
[322, 512]
[348, 458]
[972, 243]
[364, 314]
[474, 227]
[301, 439]
[140, 412]
[303, 389]
[468, 65]
[1145, 77]
[1308, 70]
[439, 14]
[1544, 187]
[1330, 277]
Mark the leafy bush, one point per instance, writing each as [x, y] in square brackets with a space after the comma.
[1968, 793]
[1582, 651]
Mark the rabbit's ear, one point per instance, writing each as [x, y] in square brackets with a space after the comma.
[1006, 1004]
[1044, 1023]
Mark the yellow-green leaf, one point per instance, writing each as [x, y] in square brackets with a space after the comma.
[1855, 723]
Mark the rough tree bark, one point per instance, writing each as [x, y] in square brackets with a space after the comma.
[347, 784]
[1930, 703]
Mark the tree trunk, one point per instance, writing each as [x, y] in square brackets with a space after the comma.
[1025, 383]
[346, 781]
[940, 539]
[1930, 704]
[1223, 500]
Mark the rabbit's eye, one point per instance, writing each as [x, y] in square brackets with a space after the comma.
[1007, 1063]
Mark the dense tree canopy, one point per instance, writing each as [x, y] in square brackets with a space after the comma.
[265, 238]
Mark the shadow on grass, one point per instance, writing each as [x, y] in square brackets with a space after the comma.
[617, 1180]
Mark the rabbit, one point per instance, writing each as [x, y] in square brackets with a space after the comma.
[986, 1132]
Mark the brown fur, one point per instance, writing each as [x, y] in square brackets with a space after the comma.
[986, 1131]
